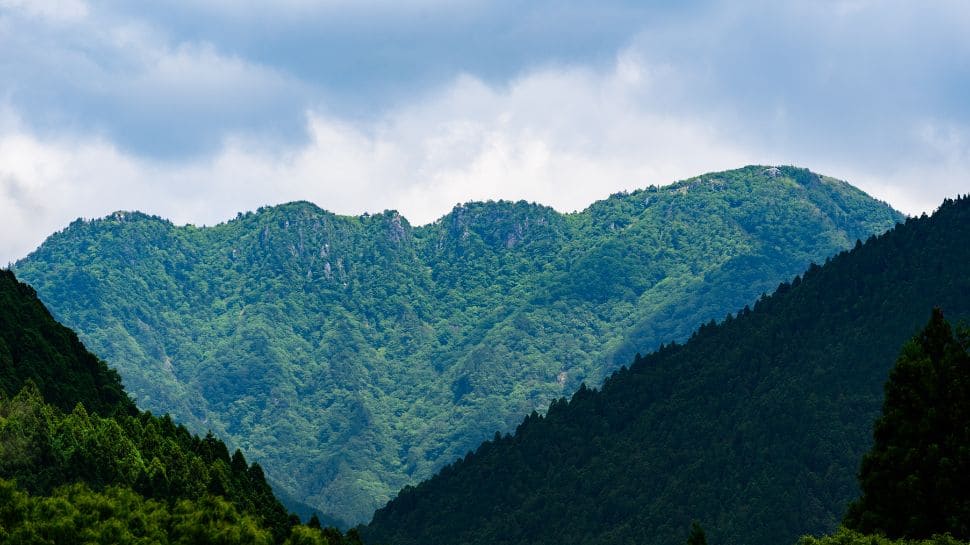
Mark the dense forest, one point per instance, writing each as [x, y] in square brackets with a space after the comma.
[754, 427]
[80, 464]
[914, 481]
[34, 348]
[354, 355]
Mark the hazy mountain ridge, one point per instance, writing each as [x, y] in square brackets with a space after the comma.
[356, 354]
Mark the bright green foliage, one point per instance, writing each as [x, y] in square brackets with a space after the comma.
[754, 426]
[76, 515]
[916, 479]
[130, 477]
[848, 537]
[42, 448]
[354, 355]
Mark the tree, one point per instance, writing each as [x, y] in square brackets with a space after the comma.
[916, 479]
[697, 535]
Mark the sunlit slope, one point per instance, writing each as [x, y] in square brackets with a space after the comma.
[354, 355]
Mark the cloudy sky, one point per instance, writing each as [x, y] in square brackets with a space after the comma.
[197, 110]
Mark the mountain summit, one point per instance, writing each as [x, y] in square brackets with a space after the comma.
[355, 355]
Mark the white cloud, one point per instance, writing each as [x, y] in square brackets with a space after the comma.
[562, 136]
[938, 167]
[128, 80]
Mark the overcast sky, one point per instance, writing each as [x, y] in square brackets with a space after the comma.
[197, 110]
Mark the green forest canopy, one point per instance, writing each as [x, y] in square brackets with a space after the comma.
[754, 427]
[354, 355]
[114, 474]
[914, 479]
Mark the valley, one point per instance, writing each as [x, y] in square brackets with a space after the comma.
[355, 355]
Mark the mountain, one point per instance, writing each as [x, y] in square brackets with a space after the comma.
[114, 474]
[355, 355]
[754, 427]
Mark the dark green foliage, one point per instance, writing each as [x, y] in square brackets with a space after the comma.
[33, 347]
[355, 355]
[916, 479]
[755, 425]
[305, 512]
[133, 477]
[697, 535]
[849, 537]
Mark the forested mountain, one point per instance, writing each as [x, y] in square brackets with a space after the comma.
[754, 427]
[114, 474]
[354, 355]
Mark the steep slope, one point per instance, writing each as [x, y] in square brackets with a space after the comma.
[355, 355]
[35, 348]
[115, 474]
[754, 427]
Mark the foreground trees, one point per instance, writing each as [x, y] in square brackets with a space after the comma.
[916, 479]
[79, 463]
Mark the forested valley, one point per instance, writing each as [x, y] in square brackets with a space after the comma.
[754, 427]
[356, 355]
[787, 421]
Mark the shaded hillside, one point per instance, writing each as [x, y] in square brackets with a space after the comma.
[115, 474]
[915, 481]
[754, 427]
[354, 355]
[34, 347]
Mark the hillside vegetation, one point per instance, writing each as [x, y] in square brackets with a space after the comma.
[355, 355]
[754, 427]
[914, 481]
[114, 474]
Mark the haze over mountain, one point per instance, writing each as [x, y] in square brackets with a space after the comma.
[755, 427]
[354, 355]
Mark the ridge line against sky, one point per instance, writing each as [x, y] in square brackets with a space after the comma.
[195, 111]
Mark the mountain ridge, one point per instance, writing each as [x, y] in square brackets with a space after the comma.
[683, 185]
[754, 426]
[384, 350]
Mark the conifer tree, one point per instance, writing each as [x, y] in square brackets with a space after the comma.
[697, 535]
[916, 479]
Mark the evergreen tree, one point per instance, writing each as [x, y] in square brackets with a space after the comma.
[79, 463]
[916, 479]
[697, 535]
[757, 423]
